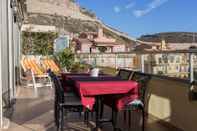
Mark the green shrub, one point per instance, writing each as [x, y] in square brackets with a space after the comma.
[65, 58]
[80, 68]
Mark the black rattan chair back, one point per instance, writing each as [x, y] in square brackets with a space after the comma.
[52, 76]
[142, 80]
[59, 90]
[125, 74]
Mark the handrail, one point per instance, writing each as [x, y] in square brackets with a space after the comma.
[166, 77]
[144, 52]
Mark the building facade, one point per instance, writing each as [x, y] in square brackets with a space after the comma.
[11, 17]
[92, 42]
[169, 64]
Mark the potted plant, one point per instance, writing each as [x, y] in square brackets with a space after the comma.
[65, 59]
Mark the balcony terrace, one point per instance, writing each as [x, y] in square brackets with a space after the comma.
[168, 105]
[169, 102]
[36, 114]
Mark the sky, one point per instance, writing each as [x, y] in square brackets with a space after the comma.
[141, 17]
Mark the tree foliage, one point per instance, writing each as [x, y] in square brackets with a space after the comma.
[37, 43]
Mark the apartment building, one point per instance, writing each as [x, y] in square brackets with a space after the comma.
[174, 65]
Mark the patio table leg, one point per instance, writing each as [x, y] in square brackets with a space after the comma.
[97, 112]
[115, 119]
[101, 110]
[86, 117]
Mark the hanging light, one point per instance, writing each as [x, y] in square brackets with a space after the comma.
[14, 9]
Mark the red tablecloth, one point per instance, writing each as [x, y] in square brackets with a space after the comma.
[69, 80]
[88, 91]
[109, 86]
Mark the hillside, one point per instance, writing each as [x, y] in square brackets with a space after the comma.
[171, 37]
[67, 15]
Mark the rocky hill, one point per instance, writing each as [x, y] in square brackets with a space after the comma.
[67, 15]
[171, 37]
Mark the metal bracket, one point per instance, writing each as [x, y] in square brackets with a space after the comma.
[192, 92]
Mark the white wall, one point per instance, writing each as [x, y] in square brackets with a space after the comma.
[119, 48]
[3, 55]
[9, 55]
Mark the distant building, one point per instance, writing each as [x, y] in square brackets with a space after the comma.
[175, 65]
[163, 46]
[170, 64]
[167, 63]
[91, 42]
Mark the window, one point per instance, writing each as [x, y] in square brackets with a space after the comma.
[160, 60]
[177, 60]
[171, 59]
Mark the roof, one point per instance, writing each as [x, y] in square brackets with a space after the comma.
[104, 40]
[107, 43]
[82, 41]
[38, 28]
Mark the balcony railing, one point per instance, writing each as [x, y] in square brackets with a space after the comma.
[181, 64]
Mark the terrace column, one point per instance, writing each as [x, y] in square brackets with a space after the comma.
[1, 108]
[3, 54]
[11, 52]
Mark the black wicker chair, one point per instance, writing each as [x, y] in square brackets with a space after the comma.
[139, 104]
[125, 74]
[65, 103]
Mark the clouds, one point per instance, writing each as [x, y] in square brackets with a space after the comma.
[151, 6]
[139, 13]
[130, 5]
[117, 9]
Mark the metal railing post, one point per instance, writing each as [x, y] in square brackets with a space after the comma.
[115, 61]
[142, 63]
[191, 66]
[124, 61]
[89, 59]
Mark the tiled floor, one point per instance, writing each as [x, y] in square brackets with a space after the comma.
[36, 114]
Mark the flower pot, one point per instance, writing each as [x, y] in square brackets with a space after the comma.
[94, 72]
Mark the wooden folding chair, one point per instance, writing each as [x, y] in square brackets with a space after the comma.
[30, 64]
[50, 64]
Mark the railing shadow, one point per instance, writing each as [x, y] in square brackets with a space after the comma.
[167, 100]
